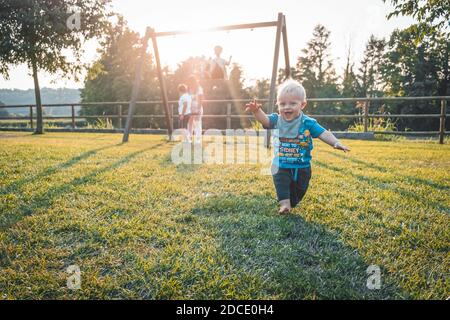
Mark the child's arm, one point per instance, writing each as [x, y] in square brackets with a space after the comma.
[255, 108]
[184, 110]
[330, 139]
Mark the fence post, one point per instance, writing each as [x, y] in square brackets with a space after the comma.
[73, 116]
[119, 114]
[228, 115]
[31, 117]
[171, 116]
[366, 116]
[442, 122]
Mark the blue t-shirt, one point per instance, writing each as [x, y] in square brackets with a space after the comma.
[293, 151]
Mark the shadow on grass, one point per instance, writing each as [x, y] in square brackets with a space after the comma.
[294, 259]
[370, 165]
[45, 200]
[381, 184]
[190, 166]
[16, 185]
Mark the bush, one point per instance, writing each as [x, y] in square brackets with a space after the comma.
[375, 124]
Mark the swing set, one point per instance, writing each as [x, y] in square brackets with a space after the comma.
[150, 33]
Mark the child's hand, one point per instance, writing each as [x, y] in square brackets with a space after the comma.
[253, 106]
[340, 146]
[181, 117]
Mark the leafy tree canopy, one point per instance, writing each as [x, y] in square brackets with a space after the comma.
[432, 15]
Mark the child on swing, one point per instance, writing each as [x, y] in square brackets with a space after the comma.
[292, 142]
[218, 65]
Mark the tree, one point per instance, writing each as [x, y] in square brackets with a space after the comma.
[415, 70]
[36, 32]
[432, 15]
[315, 67]
[186, 68]
[111, 77]
[236, 81]
[350, 85]
[315, 70]
[282, 74]
[421, 70]
[260, 90]
[214, 89]
[370, 77]
[432, 30]
[349, 89]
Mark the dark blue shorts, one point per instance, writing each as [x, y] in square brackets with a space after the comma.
[292, 184]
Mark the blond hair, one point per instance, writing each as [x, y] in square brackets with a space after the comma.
[291, 88]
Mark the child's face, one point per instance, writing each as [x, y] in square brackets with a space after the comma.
[290, 107]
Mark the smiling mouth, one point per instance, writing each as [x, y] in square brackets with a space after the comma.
[288, 113]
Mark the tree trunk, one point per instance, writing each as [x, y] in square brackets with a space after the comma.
[37, 94]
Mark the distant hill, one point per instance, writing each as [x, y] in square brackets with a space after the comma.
[48, 96]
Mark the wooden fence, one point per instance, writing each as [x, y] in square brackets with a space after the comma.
[228, 115]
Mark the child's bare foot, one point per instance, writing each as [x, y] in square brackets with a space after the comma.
[285, 206]
[284, 210]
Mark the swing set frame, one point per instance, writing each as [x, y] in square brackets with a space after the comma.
[281, 34]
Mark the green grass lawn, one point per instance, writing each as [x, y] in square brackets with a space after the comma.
[139, 226]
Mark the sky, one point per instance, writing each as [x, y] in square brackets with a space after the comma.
[351, 23]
